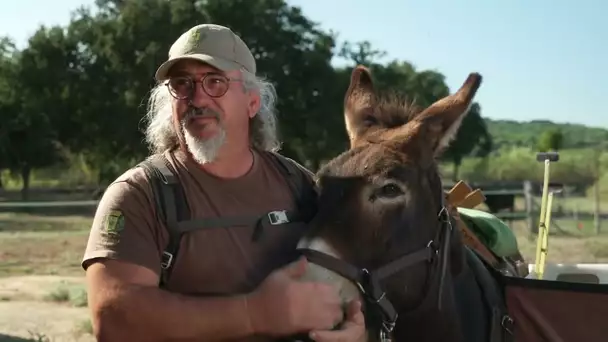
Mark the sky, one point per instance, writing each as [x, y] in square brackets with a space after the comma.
[542, 59]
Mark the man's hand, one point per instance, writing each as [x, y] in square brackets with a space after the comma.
[284, 305]
[353, 329]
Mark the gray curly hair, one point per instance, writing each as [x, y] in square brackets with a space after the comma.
[160, 133]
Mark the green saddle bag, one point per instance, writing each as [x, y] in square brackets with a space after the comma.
[491, 231]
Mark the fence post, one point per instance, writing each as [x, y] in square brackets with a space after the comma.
[530, 207]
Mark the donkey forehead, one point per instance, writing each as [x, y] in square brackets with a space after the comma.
[369, 161]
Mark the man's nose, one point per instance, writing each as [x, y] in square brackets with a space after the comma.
[199, 96]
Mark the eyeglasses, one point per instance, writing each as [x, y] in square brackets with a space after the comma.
[214, 85]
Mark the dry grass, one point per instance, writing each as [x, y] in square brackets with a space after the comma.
[44, 308]
[582, 248]
[35, 244]
[42, 295]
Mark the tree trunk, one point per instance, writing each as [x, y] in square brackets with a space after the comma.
[26, 172]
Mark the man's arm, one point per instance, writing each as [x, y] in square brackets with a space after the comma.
[127, 305]
[122, 263]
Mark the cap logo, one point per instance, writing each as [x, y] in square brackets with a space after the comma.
[195, 36]
[194, 40]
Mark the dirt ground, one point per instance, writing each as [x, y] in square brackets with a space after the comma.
[42, 293]
[40, 308]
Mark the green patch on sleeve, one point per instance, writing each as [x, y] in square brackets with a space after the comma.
[114, 223]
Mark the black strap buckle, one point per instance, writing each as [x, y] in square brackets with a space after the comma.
[278, 217]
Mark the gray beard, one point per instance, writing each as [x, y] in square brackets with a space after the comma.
[203, 151]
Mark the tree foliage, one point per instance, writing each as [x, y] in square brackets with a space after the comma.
[82, 89]
[551, 140]
[508, 133]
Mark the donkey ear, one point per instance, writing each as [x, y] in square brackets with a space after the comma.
[441, 120]
[359, 103]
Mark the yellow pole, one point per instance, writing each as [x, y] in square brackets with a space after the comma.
[541, 222]
[545, 238]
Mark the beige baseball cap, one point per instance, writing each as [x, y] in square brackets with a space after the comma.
[213, 44]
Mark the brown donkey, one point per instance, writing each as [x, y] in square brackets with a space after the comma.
[382, 231]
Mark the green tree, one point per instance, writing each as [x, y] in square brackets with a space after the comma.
[42, 106]
[360, 53]
[473, 139]
[29, 105]
[86, 84]
[551, 140]
[123, 43]
[8, 102]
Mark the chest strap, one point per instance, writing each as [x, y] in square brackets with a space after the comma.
[172, 208]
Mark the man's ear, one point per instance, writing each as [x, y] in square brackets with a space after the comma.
[439, 123]
[359, 104]
[255, 102]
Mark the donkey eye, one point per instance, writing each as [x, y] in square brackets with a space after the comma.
[390, 190]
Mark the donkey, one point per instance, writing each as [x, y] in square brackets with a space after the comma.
[383, 233]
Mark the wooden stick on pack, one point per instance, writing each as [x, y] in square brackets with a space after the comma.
[462, 195]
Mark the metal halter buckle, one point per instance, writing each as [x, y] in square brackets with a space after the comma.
[387, 328]
[431, 245]
[444, 216]
[507, 323]
[384, 336]
[358, 283]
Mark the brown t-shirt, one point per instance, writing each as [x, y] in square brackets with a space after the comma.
[213, 261]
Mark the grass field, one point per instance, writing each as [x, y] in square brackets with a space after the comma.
[42, 294]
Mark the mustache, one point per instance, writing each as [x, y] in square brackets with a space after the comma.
[200, 112]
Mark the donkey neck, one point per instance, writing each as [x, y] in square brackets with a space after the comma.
[422, 326]
[431, 326]
[319, 244]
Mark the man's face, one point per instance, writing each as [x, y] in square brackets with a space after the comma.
[208, 122]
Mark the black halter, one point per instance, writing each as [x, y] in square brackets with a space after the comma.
[435, 253]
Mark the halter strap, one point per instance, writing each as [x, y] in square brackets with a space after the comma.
[369, 282]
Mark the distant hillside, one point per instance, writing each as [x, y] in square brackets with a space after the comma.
[514, 133]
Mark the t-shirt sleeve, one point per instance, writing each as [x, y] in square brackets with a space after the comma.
[125, 226]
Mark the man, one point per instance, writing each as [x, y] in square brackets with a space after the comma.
[212, 120]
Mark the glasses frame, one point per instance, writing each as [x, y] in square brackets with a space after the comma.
[202, 83]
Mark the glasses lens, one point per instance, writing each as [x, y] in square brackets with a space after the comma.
[215, 85]
[181, 87]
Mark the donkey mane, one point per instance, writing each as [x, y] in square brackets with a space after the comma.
[393, 109]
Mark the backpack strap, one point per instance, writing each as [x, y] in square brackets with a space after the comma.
[301, 182]
[302, 187]
[171, 206]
